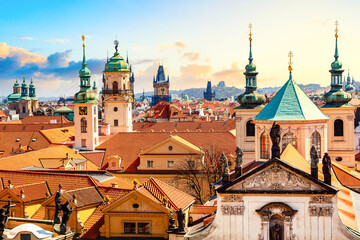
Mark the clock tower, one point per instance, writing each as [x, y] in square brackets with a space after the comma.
[117, 94]
[85, 111]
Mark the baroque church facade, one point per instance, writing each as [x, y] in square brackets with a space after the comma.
[23, 99]
[303, 124]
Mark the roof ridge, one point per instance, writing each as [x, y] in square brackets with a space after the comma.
[169, 199]
[297, 99]
[30, 184]
[79, 189]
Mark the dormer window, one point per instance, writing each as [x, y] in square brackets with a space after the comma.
[18, 139]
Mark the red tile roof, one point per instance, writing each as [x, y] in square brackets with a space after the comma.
[176, 198]
[32, 191]
[215, 126]
[45, 120]
[129, 145]
[95, 157]
[68, 181]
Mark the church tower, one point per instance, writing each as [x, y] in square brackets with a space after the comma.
[251, 103]
[341, 124]
[117, 95]
[85, 111]
[161, 87]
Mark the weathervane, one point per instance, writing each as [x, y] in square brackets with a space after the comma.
[290, 62]
[116, 42]
[250, 34]
[336, 29]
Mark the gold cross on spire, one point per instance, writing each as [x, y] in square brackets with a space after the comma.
[336, 28]
[250, 34]
[83, 39]
[290, 62]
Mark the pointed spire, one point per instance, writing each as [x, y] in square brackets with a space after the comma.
[250, 40]
[127, 57]
[107, 56]
[290, 64]
[353, 81]
[84, 59]
[336, 37]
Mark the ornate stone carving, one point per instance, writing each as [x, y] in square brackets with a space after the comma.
[320, 210]
[276, 178]
[320, 199]
[350, 118]
[232, 198]
[233, 210]
[276, 208]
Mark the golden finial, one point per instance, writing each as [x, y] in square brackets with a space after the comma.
[83, 39]
[250, 34]
[336, 29]
[290, 62]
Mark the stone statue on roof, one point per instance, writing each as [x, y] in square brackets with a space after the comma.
[314, 161]
[225, 168]
[67, 210]
[4, 215]
[238, 161]
[181, 221]
[326, 161]
[275, 138]
[57, 218]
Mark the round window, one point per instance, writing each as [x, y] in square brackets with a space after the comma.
[135, 205]
[339, 159]
[170, 148]
[115, 109]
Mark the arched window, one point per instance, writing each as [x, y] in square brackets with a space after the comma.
[83, 125]
[115, 85]
[338, 128]
[316, 141]
[264, 146]
[286, 139]
[23, 110]
[250, 129]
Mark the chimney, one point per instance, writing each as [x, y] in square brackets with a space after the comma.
[114, 185]
[10, 185]
[22, 195]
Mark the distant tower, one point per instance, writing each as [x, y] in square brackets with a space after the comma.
[350, 88]
[251, 103]
[209, 95]
[161, 87]
[117, 95]
[94, 88]
[340, 136]
[132, 86]
[85, 111]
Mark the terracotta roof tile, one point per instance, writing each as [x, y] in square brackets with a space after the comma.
[129, 145]
[39, 214]
[84, 196]
[44, 120]
[176, 198]
[68, 181]
[95, 157]
[32, 191]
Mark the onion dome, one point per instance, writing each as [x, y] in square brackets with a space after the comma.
[31, 84]
[116, 62]
[349, 85]
[16, 84]
[85, 97]
[24, 85]
[251, 98]
[336, 97]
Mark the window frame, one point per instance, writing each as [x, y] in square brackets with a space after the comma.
[338, 132]
[148, 165]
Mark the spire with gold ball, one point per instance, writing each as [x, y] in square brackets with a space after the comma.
[251, 98]
[85, 94]
[336, 97]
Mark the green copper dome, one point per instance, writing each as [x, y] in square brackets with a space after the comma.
[84, 72]
[336, 65]
[116, 63]
[85, 97]
[337, 97]
[250, 67]
[24, 83]
[251, 98]
[31, 84]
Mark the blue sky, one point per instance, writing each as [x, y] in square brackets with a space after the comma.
[196, 40]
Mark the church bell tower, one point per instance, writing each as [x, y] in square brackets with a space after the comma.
[117, 94]
[85, 111]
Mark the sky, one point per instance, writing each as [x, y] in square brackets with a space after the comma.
[196, 41]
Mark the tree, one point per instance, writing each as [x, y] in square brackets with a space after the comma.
[200, 173]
